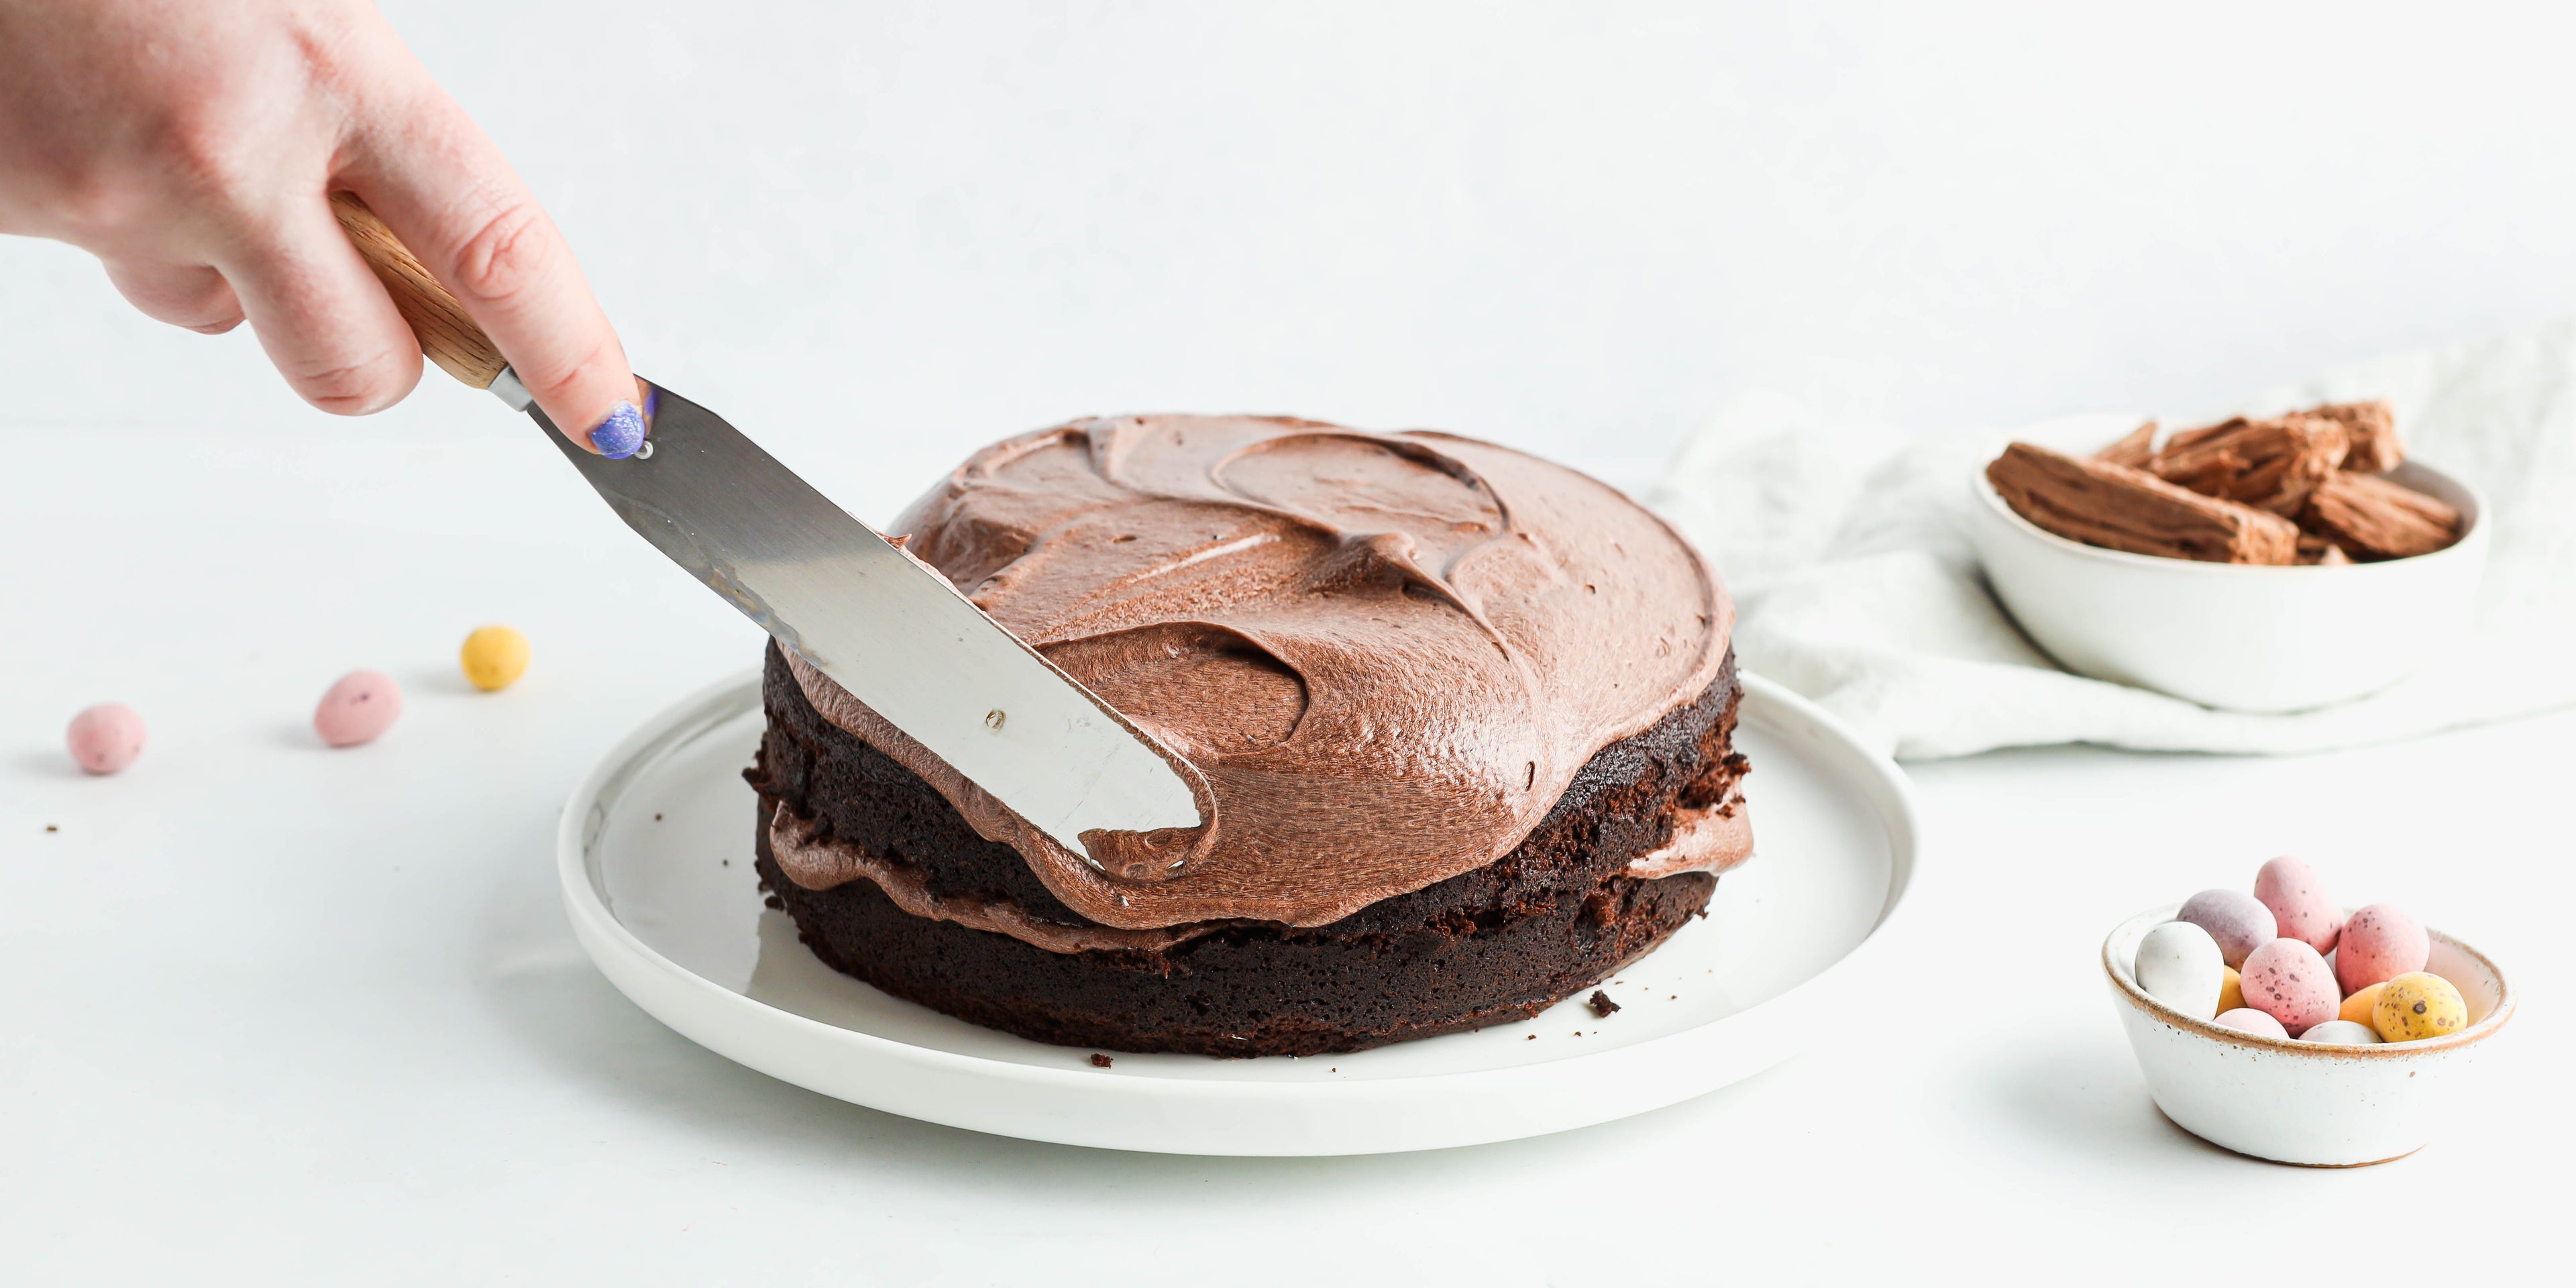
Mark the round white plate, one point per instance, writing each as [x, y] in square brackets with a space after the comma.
[656, 860]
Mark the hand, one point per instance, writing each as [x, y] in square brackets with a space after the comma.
[192, 146]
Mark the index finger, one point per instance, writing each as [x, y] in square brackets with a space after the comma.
[443, 187]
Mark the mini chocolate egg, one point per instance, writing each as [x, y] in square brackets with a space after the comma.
[2300, 908]
[2342, 1033]
[2237, 920]
[2178, 965]
[359, 708]
[493, 658]
[2380, 943]
[2419, 1005]
[2290, 981]
[105, 738]
[2359, 1007]
[2231, 994]
[2248, 1020]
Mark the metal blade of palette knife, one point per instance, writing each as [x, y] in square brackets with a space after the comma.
[897, 636]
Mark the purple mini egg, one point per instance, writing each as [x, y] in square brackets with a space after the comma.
[2289, 981]
[2237, 920]
[2248, 1020]
[2300, 908]
[2380, 943]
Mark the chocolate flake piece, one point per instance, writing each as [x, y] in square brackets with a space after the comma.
[2134, 449]
[2374, 519]
[2370, 438]
[2119, 508]
[2268, 464]
[2319, 551]
[1099, 1061]
[1601, 1004]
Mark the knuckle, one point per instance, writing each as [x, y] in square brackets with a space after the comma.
[203, 154]
[370, 384]
[553, 384]
[504, 254]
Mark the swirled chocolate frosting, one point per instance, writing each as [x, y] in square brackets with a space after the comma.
[1387, 654]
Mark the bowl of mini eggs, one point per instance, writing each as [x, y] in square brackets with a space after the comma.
[2282, 1025]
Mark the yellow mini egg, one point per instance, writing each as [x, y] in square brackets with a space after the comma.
[494, 657]
[2359, 1007]
[2231, 994]
[2418, 1005]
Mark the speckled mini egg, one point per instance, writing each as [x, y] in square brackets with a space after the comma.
[2231, 994]
[2178, 965]
[2248, 1020]
[2289, 981]
[2359, 1007]
[2419, 1005]
[105, 738]
[359, 708]
[2380, 943]
[2342, 1033]
[2300, 908]
[2237, 920]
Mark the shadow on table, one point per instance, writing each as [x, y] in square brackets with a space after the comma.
[2086, 1100]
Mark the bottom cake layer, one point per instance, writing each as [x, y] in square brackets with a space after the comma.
[1557, 915]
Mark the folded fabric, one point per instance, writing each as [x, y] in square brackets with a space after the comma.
[1845, 547]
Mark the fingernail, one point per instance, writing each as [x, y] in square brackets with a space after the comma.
[618, 436]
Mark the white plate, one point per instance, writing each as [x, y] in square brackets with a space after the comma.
[656, 860]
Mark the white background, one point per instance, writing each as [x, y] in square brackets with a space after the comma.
[296, 1015]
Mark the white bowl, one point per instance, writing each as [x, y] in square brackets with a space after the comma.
[2304, 1102]
[2240, 636]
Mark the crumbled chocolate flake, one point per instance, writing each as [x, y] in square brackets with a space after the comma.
[775, 902]
[657, 818]
[1099, 1061]
[1601, 1004]
[51, 828]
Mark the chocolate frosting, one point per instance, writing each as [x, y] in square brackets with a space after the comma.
[1387, 654]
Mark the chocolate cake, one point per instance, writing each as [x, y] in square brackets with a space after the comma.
[1463, 719]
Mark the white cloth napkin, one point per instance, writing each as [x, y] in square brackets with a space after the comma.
[1845, 548]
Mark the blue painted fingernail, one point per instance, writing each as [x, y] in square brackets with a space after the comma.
[618, 436]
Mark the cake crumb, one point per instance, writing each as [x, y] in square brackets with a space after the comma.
[1099, 1061]
[1601, 1004]
[726, 862]
[51, 828]
[1533, 1037]
[657, 818]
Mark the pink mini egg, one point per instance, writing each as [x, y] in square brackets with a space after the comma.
[105, 738]
[2248, 1020]
[2237, 920]
[2379, 944]
[2298, 902]
[2289, 981]
[358, 709]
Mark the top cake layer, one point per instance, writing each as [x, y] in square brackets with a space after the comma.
[1387, 654]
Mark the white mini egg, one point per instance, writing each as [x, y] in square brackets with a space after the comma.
[2179, 965]
[2341, 1033]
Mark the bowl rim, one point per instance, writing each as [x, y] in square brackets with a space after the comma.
[2135, 996]
[1995, 504]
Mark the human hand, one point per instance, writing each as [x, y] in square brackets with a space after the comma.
[193, 147]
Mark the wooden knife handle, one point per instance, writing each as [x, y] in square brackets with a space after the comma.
[447, 335]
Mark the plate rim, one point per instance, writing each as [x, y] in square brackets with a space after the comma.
[615, 950]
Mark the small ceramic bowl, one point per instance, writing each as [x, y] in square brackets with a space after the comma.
[2238, 636]
[2304, 1102]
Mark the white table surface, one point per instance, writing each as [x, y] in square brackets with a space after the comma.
[303, 1014]
[273, 1013]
